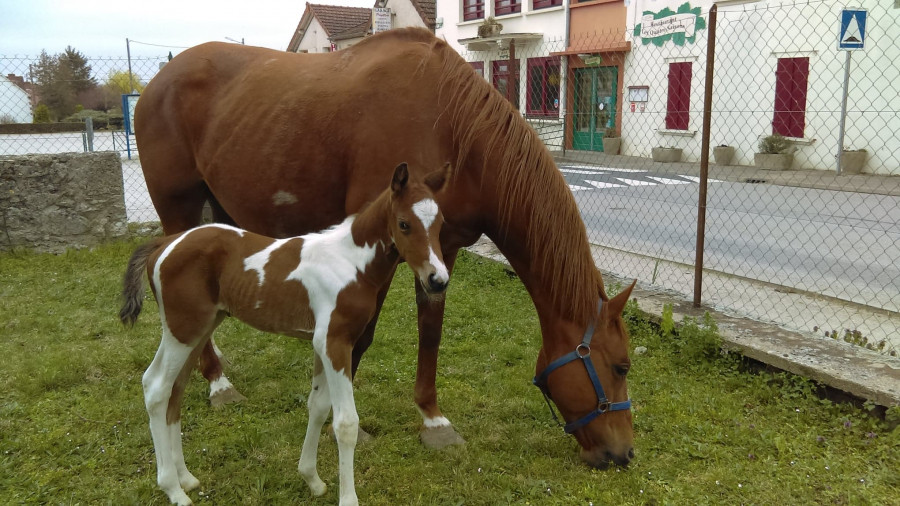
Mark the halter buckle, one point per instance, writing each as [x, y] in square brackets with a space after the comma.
[603, 407]
[583, 350]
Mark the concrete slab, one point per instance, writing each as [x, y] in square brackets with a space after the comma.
[845, 367]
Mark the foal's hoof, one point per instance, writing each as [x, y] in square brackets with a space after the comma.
[227, 396]
[437, 438]
[362, 437]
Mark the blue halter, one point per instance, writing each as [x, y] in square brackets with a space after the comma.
[582, 352]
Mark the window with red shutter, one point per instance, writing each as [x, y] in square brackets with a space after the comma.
[473, 9]
[791, 80]
[506, 80]
[478, 66]
[679, 103]
[502, 7]
[543, 87]
[544, 4]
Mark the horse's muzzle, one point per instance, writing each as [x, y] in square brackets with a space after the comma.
[602, 459]
[435, 285]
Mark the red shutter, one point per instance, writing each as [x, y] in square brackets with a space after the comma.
[791, 81]
[679, 99]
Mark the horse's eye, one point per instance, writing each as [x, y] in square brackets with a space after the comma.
[404, 226]
[622, 369]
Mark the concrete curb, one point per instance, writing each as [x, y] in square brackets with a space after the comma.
[845, 367]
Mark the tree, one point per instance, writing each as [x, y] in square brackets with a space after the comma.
[60, 79]
[119, 83]
[42, 114]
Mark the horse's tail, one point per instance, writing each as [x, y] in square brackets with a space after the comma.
[133, 282]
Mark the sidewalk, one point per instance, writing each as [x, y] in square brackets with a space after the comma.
[805, 178]
[851, 369]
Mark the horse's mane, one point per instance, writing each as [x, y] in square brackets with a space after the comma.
[527, 178]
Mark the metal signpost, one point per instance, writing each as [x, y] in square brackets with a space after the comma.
[851, 37]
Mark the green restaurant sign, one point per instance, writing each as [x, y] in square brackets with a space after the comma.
[680, 26]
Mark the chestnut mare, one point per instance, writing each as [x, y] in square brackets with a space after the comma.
[327, 127]
[322, 287]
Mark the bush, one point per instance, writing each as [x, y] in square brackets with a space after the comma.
[42, 114]
[774, 145]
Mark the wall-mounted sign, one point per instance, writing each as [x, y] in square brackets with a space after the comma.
[679, 26]
[381, 19]
[638, 94]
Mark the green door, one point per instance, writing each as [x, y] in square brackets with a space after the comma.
[595, 106]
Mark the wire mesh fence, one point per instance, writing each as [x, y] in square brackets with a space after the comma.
[45, 101]
[786, 240]
[805, 248]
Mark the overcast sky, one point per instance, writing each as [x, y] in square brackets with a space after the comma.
[98, 28]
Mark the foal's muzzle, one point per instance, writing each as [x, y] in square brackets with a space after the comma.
[435, 285]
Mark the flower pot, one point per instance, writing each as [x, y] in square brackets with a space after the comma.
[666, 155]
[611, 145]
[852, 161]
[774, 161]
[489, 30]
[723, 154]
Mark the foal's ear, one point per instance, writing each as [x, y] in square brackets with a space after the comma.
[438, 179]
[617, 303]
[401, 177]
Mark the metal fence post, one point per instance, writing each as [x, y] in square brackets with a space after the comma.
[704, 155]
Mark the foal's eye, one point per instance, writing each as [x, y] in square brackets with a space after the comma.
[404, 226]
[622, 369]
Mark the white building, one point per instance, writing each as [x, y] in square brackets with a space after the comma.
[15, 104]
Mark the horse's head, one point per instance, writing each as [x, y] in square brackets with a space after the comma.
[583, 372]
[416, 222]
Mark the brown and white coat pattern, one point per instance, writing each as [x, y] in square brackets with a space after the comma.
[320, 286]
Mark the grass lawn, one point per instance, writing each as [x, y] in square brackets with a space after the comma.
[73, 429]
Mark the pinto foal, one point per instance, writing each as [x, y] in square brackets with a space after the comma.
[320, 286]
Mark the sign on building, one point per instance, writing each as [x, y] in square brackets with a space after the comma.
[679, 26]
[852, 29]
[381, 19]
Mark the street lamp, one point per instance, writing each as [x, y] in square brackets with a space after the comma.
[241, 42]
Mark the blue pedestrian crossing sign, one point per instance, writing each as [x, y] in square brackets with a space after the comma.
[852, 32]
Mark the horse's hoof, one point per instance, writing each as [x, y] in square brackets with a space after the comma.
[227, 396]
[317, 488]
[180, 498]
[189, 482]
[437, 438]
[362, 437]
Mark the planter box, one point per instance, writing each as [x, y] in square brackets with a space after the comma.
[852, 161]
[723, 154]
[612, 145]
[778, 161]
[666, 155]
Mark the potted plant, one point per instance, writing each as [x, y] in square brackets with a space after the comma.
[489, 27]
[723, 154]
[852, 160]
[666, 154]
[775, 152]
[612, 143]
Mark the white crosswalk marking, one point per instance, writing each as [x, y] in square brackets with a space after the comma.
[581, 175]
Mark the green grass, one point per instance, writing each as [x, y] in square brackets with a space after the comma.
[708, 430]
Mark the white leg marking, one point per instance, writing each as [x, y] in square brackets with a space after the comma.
[319, 405]
[438, 421]
[219, 384]
[157, 381]
[185, 478]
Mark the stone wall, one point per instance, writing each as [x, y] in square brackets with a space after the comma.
[53, 202]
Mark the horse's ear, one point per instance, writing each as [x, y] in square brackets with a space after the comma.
[438, 179]
[401, 177]
[617, 303]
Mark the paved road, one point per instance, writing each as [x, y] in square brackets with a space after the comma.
[829, 242]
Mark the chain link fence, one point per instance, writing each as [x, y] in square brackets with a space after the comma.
[44, 104]
[806, 248]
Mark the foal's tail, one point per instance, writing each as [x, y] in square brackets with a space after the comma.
[133, 283]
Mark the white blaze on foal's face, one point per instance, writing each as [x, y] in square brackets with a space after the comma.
[417, 239]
